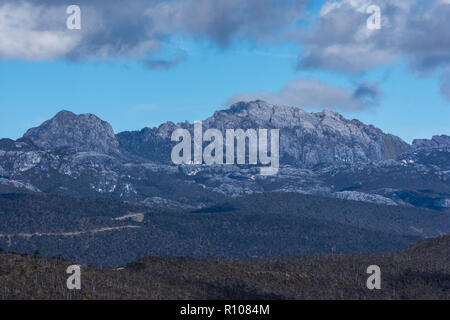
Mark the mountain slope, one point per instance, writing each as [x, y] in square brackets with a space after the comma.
[84, 132]
[106, 233]
[306, 139]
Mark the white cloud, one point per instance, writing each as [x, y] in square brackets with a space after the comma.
[36, 30]
[312, 93]
[22, 36]
[415, 30]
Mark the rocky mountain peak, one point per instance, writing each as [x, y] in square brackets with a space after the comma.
[309, 139]
[65, 115]
[84, 132]
[435, 142]
[242, 106]
[262, 113]
[306, 139]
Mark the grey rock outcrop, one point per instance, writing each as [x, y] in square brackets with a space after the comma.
[311, 139]
[306, 139]
[435, 142]
[320, 153]
[84, 132]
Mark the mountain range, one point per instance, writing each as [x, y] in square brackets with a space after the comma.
[320, 153]
[71, 187]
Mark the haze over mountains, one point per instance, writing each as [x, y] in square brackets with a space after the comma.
[72, 187]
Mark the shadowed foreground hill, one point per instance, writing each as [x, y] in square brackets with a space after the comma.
[420, 272]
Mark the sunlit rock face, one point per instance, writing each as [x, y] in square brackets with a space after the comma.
[84, 132]
[306, 139]
[310, 139]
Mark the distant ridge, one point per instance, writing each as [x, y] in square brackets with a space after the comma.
[307, 139]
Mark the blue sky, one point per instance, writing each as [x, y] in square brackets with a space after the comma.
[121, 89]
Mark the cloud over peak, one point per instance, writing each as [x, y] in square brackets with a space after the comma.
[312, 93]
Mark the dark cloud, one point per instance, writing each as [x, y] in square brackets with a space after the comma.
[221, 21]
[312, 93]
[445, 85]
[368, 93]
[36, 30]
[165, 64]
